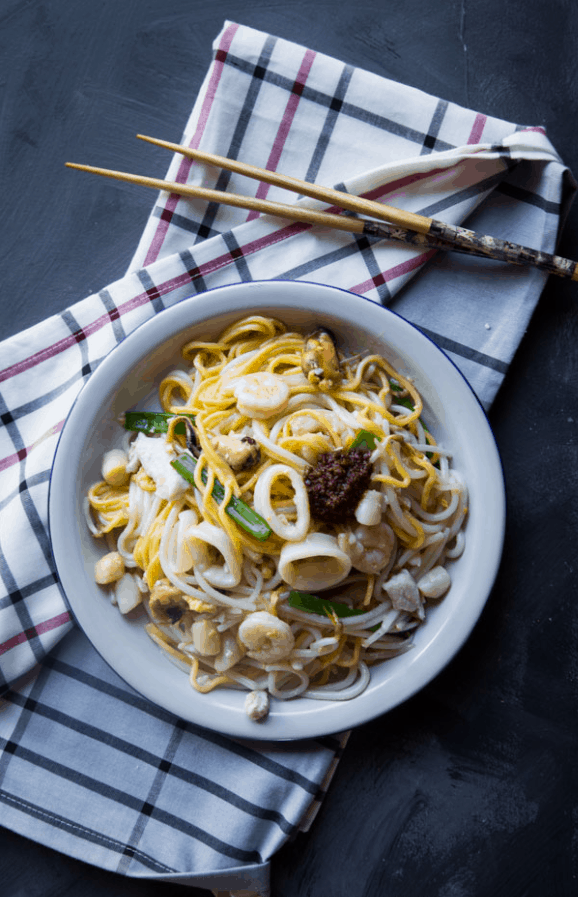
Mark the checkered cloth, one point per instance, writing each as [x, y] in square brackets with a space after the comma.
[88, 767]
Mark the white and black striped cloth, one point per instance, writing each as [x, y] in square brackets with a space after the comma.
[87, 766]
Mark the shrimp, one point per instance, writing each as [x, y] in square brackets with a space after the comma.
[266, 638]
[369, 547]
[261, 395]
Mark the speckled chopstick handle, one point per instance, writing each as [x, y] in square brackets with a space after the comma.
[466, 240]
[460, 239]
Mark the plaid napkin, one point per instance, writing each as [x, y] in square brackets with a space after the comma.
[87, 766]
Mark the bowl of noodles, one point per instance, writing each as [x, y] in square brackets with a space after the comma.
[277, 510]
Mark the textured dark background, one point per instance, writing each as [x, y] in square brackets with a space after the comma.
[470, 788]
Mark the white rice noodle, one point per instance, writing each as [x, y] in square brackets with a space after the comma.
[347, 417]
[258, 684]
[151, 505]
[424, 559]
[458, 548]
[302, 401]
[301, 410]
[143, 507]
[187, 583]
[421, 434]
[385, 626]
[180, 664]
[211, 594]
[313, 633]
[444, 468]
[425, 447]
[274, 581]
[354, 684]
[359, 621]
[400, 410]
[252, 574]
[182, 554]
[389, 647]
[89, 518]
[451, 479]
[316, 649]
[395, 508]
[276, 450]
[230, 368]
[277, 689]
[439, 516]
[381, 577]
[379, 455]
[168, 547]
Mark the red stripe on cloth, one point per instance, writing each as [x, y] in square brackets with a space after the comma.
[61, 345]
[44, 354]
[285, 125]
[477, 130]
[386, 189]
[185, 166]
[22, 453]
[49, 352]
[39, 629]
[392, 273]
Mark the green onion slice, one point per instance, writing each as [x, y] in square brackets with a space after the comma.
[364, 440]
[322, 606]
[237, 510]
[154, 421]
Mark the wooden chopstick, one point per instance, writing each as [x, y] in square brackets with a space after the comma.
[302, 214]
[359, 204]
[441, 237]
[456, 238]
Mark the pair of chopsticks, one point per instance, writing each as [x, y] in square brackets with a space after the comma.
[392, 223]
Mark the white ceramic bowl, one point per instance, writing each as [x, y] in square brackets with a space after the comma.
[128, 377]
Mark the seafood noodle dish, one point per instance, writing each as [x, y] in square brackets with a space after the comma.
[286, 520]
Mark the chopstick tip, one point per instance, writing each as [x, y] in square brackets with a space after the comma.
[148, 139]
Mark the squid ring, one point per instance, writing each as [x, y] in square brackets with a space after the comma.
[199, 540]
[316, 562]
[291, 532]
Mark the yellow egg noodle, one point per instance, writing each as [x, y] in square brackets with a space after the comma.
[364, 525]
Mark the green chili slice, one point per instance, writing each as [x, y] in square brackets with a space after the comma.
[154, 421]
[237, 510]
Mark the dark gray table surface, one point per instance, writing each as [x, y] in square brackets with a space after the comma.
[469, 789]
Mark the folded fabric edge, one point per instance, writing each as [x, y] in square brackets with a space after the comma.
[244, 881]
[514, 147]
